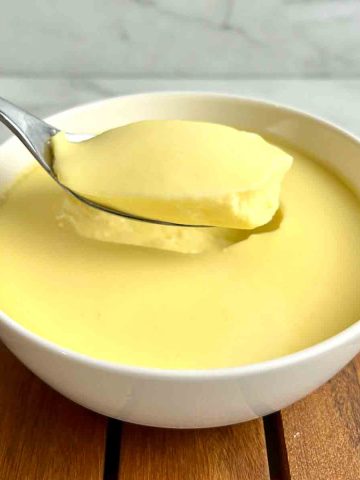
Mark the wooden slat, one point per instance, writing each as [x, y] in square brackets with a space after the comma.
[227, 453]
[322, 432]
[43, 436]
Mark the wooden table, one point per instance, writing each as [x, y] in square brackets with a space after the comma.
[43, 436]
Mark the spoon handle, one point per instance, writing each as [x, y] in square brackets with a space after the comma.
[30, 130]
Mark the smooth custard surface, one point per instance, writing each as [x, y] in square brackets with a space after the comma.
[276, 291]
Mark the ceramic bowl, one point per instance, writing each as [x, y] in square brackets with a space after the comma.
[190, 398]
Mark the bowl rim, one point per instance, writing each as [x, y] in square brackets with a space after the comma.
[335, 341]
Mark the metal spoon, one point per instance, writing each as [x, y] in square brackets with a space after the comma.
[35, 134]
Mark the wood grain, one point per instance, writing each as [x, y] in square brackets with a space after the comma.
[228, 453]
[43, 436]
[322, 432]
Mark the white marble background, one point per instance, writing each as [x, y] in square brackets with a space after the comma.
[187, 38]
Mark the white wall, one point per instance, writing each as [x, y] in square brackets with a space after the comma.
[180, 38]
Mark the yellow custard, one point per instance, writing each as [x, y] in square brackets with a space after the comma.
[180, 171]
[275, 291]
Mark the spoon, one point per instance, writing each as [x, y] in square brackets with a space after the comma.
[36, 134]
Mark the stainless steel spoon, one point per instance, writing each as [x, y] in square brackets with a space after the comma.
[35, 134]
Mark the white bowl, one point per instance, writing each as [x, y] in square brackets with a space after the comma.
[190, 398]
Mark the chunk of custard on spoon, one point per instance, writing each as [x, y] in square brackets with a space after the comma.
[186, 172]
